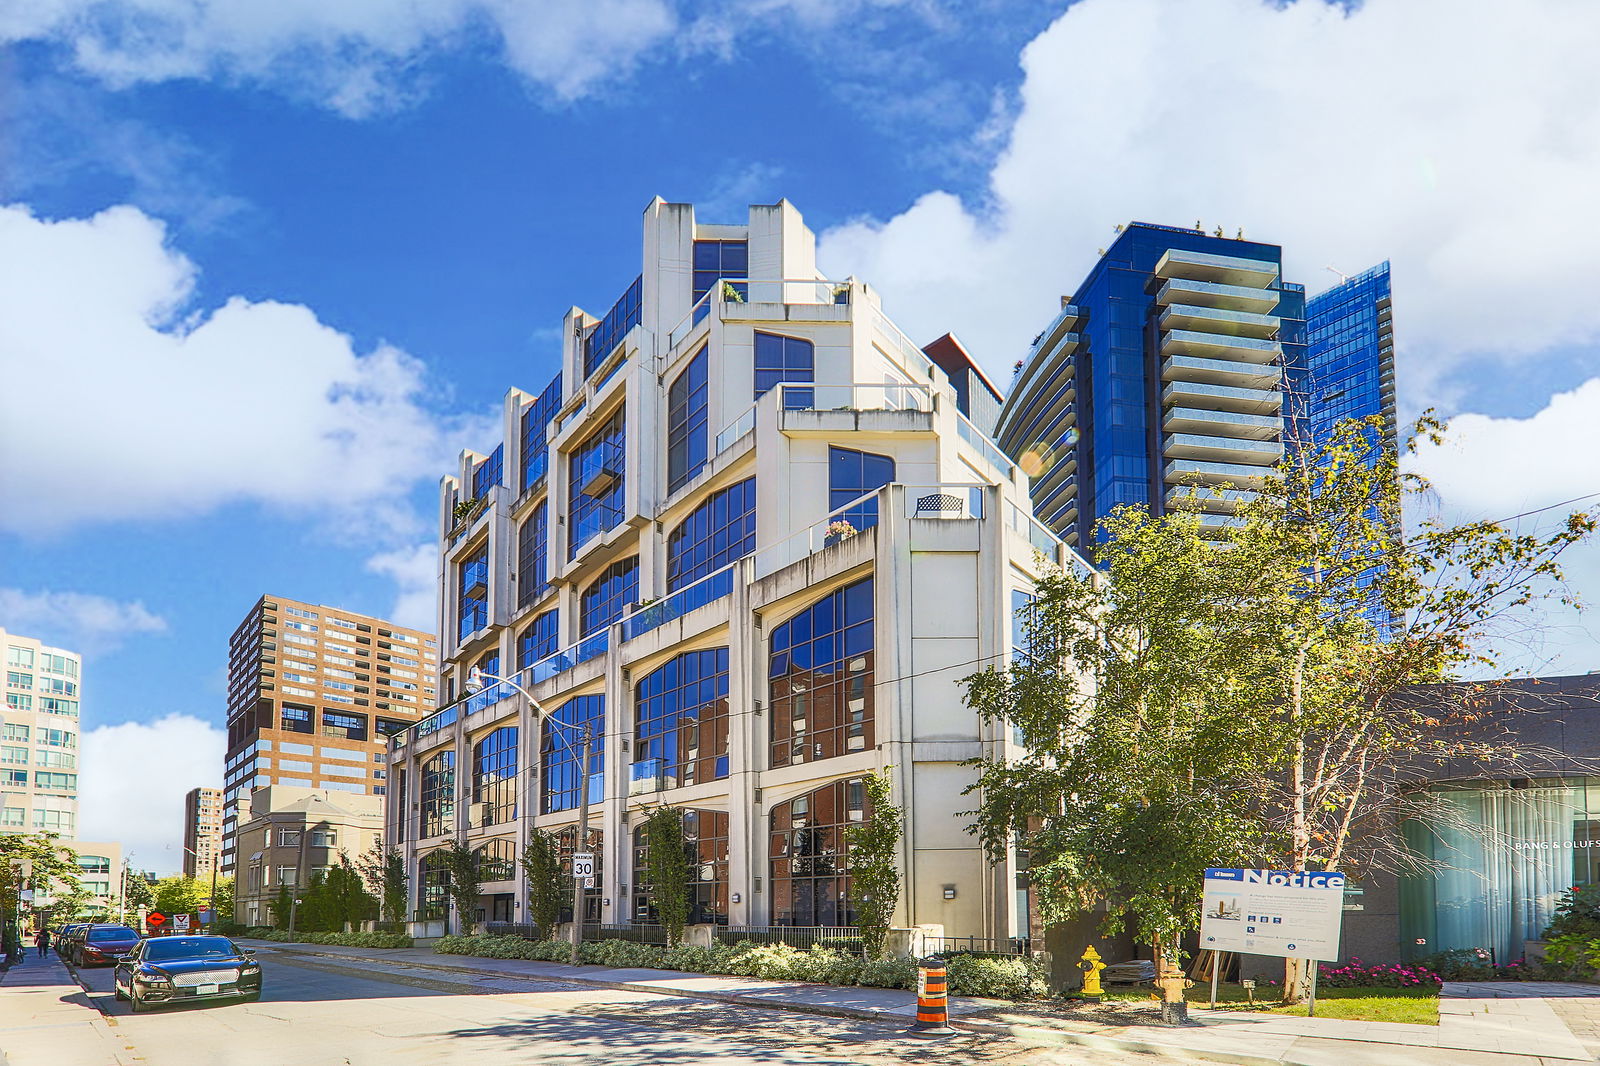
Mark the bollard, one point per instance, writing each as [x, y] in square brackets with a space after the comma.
[933, 1001]
[1091, 967]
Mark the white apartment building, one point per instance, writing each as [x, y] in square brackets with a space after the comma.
[749, 537]
[39, 738]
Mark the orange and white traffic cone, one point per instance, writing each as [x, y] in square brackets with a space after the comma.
[933, 1000]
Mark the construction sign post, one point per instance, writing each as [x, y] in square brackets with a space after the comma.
[1296, 915]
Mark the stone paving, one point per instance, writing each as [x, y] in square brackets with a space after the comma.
[46, 1020]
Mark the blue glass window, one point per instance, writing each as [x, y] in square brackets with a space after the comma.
[851, 474]
[811, 855]
[539, 639]
[433, 886]
[561, 748]
[535, 417]
[597, 472]
[779, 359]
[438, 794]
[473, 593]
[705, 839]
[604, 338]
[714, 260]
[687, 437]
[488, 473]
[533, 552]
[497, 859]
[820, 677]
[494, 777]
[681, 735]
[713, 535]
[613, 592]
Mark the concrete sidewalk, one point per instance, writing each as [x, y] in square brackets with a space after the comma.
[47, 1020]
[1505, 1024]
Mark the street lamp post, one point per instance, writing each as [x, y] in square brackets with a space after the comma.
[475, 681]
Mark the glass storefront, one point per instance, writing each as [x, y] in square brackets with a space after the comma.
[1509, 850]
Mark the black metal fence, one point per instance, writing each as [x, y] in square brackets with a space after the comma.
[1012, 947]
[845, 938]
[526, 930]
[638, 934]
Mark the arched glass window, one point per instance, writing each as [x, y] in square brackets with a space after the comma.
[720, 530]
[687, 437]
[681, 709]
[497, 860]
[613, 592]
[539, 638]
[561, 749]
[852, 474]
[433, 887]
[533, 549]
[494, 778]
[705, 839]
[780, 359]
[565, 840]
[596, 472]
[820, 678]
[438, 794]
[810, 858]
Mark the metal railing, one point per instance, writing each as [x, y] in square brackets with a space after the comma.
[758, 290]
[859, 396]
[974, 945]
[845, 938]
[709, 589]
[945, 500]
[526, 930]
[565, 659]
[638, 934]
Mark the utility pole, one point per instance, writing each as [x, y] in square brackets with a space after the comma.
[582, 842]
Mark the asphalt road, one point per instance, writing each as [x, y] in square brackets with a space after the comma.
[317, 1014]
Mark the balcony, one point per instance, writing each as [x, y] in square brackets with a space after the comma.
[1220, 269]
[1211, 294]
[647, 776]
[475, 580]
[1218, 346]
[1209, 499]
[1221, 372]
[1222, 398]
[1222, 449]
[828, 410]
[590, 647]
[1219, 320]
[765, 300]
[1222, 423]
[1190, 472]
[707, 590]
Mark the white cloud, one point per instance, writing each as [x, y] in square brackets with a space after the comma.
[121, 800]
[129, 401]
[415, 571]
[355, 56]
[1461, 142]
[1494, 468]
[77, 621]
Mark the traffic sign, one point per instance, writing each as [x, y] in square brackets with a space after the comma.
[583, 865]
[180, 923]
[155, 919]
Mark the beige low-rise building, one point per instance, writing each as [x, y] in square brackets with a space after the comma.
[293, 833]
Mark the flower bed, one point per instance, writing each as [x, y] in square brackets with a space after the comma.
[1016, 978]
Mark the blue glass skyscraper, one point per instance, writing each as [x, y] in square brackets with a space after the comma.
[1349, 359]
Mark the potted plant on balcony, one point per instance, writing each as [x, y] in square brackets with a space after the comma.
[731, 293]
[838, 530]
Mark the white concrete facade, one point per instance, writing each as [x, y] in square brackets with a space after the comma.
[952, 547]
[39, 737]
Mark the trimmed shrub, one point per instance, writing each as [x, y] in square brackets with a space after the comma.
[1356, 974]
[888, 973]
[1012, 978]
[1577, 914]
[346, 940]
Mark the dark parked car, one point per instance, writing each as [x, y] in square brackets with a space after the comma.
[171, 969]
[63, 937]
[96, 945]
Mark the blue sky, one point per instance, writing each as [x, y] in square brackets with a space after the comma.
[370, 217]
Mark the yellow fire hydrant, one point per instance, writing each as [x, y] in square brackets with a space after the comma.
[1091, 966]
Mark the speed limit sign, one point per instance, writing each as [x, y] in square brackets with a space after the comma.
[583, 865]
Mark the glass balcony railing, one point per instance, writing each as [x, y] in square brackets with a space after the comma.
[891, 396]
[707, 590]
[565, 659]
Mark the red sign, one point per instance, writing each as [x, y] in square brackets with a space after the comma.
[155, 919]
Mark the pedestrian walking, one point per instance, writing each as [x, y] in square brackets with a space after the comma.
[42, 941]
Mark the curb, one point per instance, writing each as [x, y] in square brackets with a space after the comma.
[1032, 1034]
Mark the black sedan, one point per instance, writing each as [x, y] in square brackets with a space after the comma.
[98, 944]
[173, 969]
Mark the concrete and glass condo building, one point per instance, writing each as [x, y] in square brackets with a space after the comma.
[39, 738]
[202, 832]
[1174, 369]
[747, 534]
[313, 692]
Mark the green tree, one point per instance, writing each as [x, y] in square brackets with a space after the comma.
[667, 866]
[223, 900]
[873, 853]
[137, 889]
[180, 894]
[1253, 703]
[37, 861]
[282, 907]
[349, 902]
[548, 891]
[460, 863]
[383, 868]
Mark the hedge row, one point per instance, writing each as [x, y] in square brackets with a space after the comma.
[344, 940]
[1017, 978]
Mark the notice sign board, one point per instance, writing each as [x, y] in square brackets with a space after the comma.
[1273, 912]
